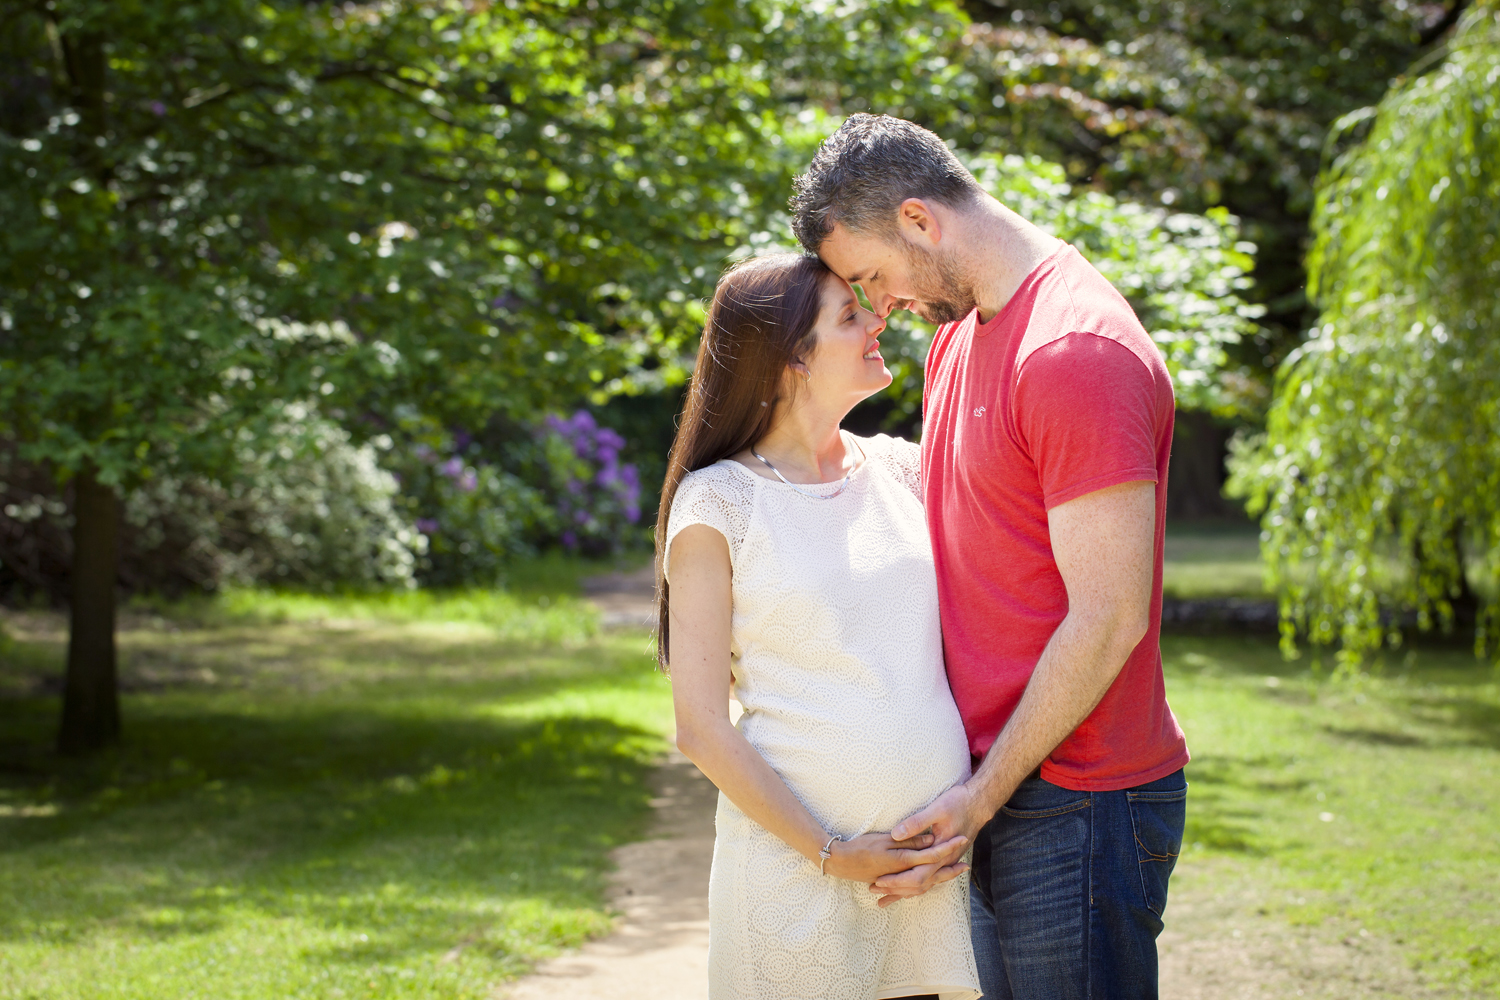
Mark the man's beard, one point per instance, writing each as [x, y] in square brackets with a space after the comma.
[942, 294]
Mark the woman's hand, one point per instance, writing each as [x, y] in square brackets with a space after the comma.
[873, 855]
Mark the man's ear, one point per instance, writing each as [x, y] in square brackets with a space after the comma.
[918, 222]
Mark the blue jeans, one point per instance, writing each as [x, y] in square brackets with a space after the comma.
[1069, 887]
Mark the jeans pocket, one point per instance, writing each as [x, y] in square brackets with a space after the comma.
[1157, 817]
[1038, 798]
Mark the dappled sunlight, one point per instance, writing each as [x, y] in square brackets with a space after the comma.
[1368, 797]
[311, 807]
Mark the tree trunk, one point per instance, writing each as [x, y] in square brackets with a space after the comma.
[91, 695]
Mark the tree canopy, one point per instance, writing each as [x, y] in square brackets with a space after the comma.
[1188, 104]
[413, 217]
[1379, 474]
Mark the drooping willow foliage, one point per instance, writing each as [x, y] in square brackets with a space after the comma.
[1378, 478]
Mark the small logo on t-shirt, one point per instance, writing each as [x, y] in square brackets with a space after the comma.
[978, 411]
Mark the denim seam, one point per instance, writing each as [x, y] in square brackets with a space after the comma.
[1135, 833]
[1150, 854]
[1172, 796]
[1088, 915]
[1045, 813]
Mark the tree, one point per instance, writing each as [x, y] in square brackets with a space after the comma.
[422, 212]
[211, 211]
[1379, 475]
[1186, 103]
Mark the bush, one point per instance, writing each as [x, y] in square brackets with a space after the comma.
[514, 490]
[318, 512]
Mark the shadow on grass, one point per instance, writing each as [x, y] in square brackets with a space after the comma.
[1226, 796]
[424, 829]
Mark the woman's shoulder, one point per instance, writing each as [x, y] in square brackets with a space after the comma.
[901, 458]
[890, 448]
[720, 484]
[715, 495]
[718, 476]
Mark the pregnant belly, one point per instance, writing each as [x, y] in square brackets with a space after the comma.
[866, 773]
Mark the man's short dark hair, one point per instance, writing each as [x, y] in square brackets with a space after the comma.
[864, 171]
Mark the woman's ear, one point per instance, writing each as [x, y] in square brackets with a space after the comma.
[800, 371]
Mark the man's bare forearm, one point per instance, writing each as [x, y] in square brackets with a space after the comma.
[1081, 661]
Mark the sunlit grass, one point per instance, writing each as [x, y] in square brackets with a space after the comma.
[324, 798]
[1213, 561]
[1373, 799]
[339, 797]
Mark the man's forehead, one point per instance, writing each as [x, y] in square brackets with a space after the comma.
[849, 256]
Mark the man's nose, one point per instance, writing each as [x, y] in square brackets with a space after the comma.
[885, 307]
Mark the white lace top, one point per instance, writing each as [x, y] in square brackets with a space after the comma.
[837, 659]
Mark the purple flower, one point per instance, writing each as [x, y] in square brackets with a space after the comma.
[468, 481]
[570, 540]
[158, 109]
[425, 453]
[461, 440]
[453, 468]
[427, 525]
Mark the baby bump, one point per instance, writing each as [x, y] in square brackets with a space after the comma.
[866, 773]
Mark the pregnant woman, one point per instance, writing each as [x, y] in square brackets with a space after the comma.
[794, 570]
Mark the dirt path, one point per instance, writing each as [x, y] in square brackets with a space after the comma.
[1219, 943]
[660, 949]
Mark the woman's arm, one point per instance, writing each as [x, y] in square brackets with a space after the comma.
[698, 651]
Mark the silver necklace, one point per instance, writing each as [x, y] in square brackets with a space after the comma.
[799, 489]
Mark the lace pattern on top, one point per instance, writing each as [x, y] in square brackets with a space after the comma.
[717, 496]
[722, 497]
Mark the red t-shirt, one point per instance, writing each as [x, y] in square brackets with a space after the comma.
[1060, 394]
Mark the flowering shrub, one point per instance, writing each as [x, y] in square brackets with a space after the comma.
[317, 511]
[598, 497]
[512, 490]
[475, 515]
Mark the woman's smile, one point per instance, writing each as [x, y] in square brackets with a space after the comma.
[873, 354]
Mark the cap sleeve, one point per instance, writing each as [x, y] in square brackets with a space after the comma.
[1092, 415]
[716, 497]
[901, 458]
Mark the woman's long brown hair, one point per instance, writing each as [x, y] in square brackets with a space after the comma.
[762, 319]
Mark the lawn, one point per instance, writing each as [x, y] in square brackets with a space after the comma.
[1213, 560]
[404, 797]
[415, 795]
[1372, 801]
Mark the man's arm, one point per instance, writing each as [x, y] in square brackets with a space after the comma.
[1104, 545]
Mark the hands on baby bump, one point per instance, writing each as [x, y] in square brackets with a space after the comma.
[917, 863]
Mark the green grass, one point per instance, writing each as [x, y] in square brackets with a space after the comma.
[1213, 560]
[324, 797]
[1374, 799]
[415, 796]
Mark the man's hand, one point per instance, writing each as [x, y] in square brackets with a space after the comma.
[954, 817]
[873, 855]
